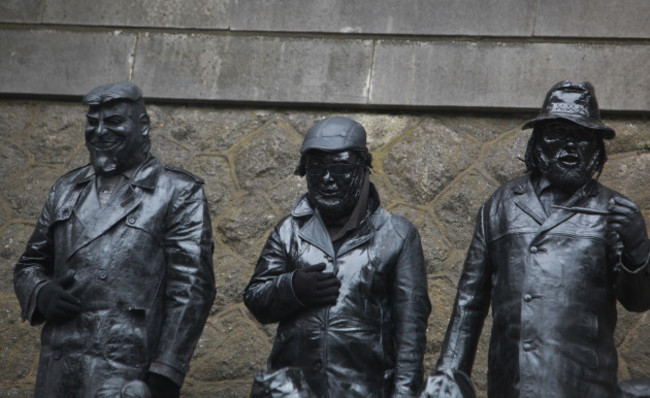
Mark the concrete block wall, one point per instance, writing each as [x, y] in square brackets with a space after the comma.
[233, 84]
[500, 54]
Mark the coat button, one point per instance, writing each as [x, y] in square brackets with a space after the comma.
[318, 365]
[131, 221]
[57, 355]
[528, 347]
[528, 298]
[102, 274]
[533, 249]
[66, 213]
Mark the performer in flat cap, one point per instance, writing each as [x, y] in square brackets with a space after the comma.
[344, 278]
[553, 251]
[119, 266]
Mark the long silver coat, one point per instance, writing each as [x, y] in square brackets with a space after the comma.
[553, 283]
[143, 273]
[371, 342]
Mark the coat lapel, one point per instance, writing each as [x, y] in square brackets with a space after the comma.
[120, 205]
[528, 201]
[314, 232]
[115, 210]
[558, 216]
[81, 191]
[530, 204]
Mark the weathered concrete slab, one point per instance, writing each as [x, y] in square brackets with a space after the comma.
[190, 14]
[62, 62]
[21, 11]
[253, 68]
[506, 74]
[285, 69]
[594, 18]
[419, 17]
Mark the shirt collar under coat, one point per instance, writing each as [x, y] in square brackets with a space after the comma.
[144, 176]
[315, 232]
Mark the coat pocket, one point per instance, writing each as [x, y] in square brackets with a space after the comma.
[123, 338]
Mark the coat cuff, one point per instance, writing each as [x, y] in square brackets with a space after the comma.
[293, 292]
[636, 259]
[169, 366]
[31, 314]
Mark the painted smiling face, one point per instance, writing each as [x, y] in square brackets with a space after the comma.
[334, 182]
[567, 154]
[116, 136]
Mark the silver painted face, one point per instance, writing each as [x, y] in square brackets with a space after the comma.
[567, 153]
[115, 137]
[334, 182]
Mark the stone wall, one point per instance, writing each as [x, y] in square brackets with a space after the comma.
[435, 168]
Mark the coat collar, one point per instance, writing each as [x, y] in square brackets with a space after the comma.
[315, 232]
[144, 176]
[528, 201]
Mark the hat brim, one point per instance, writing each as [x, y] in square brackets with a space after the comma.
[332, 146]
[607, 132]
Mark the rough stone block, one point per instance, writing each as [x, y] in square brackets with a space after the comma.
[171, 152]
[12, 159]
[19, 344]
[503, 160]
[12, 245]
[459, 204]
[506, 74]
[212, 14]
[419, 17]
[254, 68]
[483, 127]
[232, 346]
[219, 187]
[56, 132]
[244, 228]
[231, 276]
[594, 18]
[629, 136]
[16, 118]
[62, 62]
[34, 182]
[628, 174]
[21, 11]
[636, 352]
[423, 163]
[204, 129]
[286, 193]
[441, 293]
[267, 157]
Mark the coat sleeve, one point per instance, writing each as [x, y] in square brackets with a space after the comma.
[411, 308]
[269, 295]
[35, 266]
[471, 305]
[189, 282]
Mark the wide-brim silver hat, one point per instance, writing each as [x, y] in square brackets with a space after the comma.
[575, 102]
